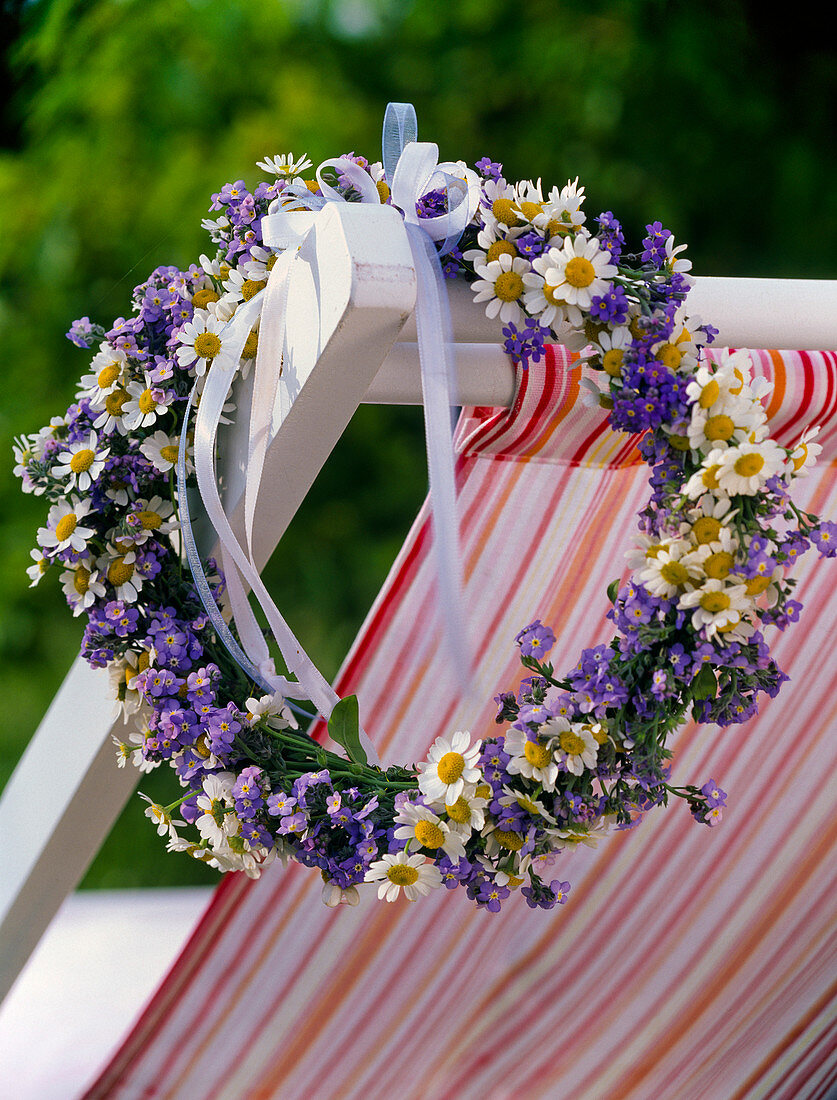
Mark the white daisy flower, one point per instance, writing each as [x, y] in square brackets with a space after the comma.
[671, 570]
[63, 530]
[526, 802]
[36, 571]
[540, 299]
[611, 345]
[710, 521]
[679, 352]
[716, 605]
[562, 211]
[584, 269]
[217, 228]
[532, 759]
[419, 823]
[217, 820]
[106, 371]
[161, 449]
[81, 585]
[671, 261]
[705, 480]
[145, 403]
[81, 463]
[468, 812]
[498, 207]
[112, 406]
[120, 570]
[201, 342]
[804, 454]
[284, 165]
[334, 895]
[155, 518]
[415, 875]
[589, 835]
[161, 818]
[240, 287]
[501, 285]
[450, 768]
[576, 744]
[490, 246]
[273, 709]
[745, 469]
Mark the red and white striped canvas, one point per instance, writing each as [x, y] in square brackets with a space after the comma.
[688, 963]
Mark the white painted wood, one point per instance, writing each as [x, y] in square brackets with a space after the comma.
[484, 376]
[57, 809]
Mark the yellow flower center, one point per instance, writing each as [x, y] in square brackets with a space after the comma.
[737, 389]
[402, 874]
[108, 375]
[598, 734]
[679, 442]
[81, 580]
[612, 362]
[670, 356]
[202, 298]
[207, 345]
[150, 520]
[709, 394]
[717, 566]
[460, 811]
[499, 248]
[201, 747]
[713, 602]
[709, 477]
[114, 402]
[251, 346]
[706, 529]
[508, 286]
[549, 294]
[674, 573]
[504, 211]
[169, 452]
[251, 287]
[538, 756]
[82, 461]
[65, 527]
[429, 835]
[483, 790]
[530, 210]
[719, 428]
[383, 190]
[571, 743]
[146, 402]
[748, 465]
[508, 838]
[757, 585]
[450, 767]
[120, 572]
[579, 272]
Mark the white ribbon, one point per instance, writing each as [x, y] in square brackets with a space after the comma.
[417, 172]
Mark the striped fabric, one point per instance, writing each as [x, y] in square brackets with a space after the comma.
[688, 963]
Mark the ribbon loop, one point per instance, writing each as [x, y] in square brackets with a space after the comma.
[400, 128]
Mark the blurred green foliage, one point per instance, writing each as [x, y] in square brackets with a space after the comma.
[125, 115]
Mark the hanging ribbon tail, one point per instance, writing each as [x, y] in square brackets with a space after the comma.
[269, 685]
[400, 128]
[438, 367]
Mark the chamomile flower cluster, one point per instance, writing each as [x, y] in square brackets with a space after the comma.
[578, 755]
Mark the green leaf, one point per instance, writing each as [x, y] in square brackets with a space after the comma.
[344, 728]
[612, 590]
[704, 685]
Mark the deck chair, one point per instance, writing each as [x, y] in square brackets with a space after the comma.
[687, 964]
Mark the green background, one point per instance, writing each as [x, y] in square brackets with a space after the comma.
[124, 117]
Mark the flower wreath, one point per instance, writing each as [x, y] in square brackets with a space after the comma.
[582, 753]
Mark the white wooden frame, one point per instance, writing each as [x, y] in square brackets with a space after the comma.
[352, 294]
